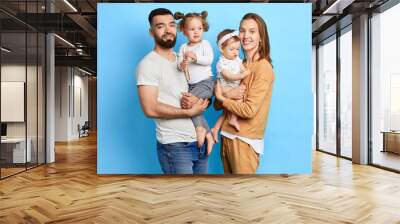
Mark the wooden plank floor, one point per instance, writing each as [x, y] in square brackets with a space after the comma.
[70, 191]
[10, 171]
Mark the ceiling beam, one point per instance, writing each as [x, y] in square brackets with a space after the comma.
[85, 25]
[84, 61]
[337, 6]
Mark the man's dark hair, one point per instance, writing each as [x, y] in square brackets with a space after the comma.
[157, 12]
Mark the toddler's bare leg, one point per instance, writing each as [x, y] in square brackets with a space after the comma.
[210, 142]
[201, 135]
[217, 127]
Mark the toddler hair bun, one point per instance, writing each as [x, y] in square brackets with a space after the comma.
[204, 14]
[178, 15]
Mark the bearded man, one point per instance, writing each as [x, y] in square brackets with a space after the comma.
[160, 85]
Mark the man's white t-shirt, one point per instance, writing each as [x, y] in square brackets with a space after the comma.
[155, 70]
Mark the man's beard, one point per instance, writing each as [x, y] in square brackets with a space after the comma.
[167, 44]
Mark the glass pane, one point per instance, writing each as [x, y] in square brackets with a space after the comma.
[346, 94]
[327, 96]
[32, 95]
[22, 89]
[13, 88]
[41, 98]
[386, 89]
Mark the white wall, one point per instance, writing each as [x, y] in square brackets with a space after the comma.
[33, 127]
[70, 83]
[79, 117]
[15, 72]
[62, 82]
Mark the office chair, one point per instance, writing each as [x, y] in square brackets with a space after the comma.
[84, 130]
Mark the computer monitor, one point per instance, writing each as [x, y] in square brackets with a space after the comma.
[3, 129]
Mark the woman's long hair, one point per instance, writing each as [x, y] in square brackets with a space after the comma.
[264, 48]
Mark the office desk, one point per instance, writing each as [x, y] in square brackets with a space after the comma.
[13, 150]
[391, 141]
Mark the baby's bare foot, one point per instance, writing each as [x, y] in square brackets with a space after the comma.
[234, 123]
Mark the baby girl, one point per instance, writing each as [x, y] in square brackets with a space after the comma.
[230, 72]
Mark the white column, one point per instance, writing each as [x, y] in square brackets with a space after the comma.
[50, 93]
[50, 100]
[360, 90]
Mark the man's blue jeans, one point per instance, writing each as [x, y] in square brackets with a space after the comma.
[182, 158]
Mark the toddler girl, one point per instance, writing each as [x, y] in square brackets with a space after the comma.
[195, 58]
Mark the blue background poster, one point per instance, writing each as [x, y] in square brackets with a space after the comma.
[126, 137]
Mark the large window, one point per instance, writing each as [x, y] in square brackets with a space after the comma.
[334, 138]
[346, 92]
[327, 95]
[385, 88]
